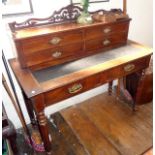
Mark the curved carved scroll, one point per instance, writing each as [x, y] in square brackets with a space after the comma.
[66, 14]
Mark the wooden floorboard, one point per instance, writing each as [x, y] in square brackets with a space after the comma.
[105, 117]
[92, 139]
[64, 141]
[99, 126]
[149, 152]
[68, 135]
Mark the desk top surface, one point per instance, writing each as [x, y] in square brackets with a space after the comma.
[53, 77]
[59, 71]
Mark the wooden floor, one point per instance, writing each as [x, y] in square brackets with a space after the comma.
[99, 126]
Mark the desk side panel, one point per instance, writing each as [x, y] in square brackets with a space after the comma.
[26, 80]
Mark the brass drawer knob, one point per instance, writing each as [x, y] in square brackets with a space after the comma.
[55, 40]
[129, 67]
[57, 54]
[106, 42]
[75, 88]
[107, 30]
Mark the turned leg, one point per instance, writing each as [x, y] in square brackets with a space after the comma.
[38, 103]
[43, 127]
[110, 87]
[29, 107]
[118, 89]
[124, 82]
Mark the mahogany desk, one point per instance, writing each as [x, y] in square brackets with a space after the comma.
[48, 86]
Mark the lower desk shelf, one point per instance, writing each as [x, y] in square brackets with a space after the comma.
[46, 87]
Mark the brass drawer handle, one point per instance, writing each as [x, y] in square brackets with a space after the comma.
[129, 67]
[57, 54]
[106, 42]
[55, 40]
[75, 88]
[107, 30]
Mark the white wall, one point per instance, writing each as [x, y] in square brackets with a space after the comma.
[140, 30]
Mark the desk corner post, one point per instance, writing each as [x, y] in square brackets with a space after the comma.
[39, 107]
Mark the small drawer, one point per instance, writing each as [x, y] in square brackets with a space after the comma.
[55, 54]
[71, 89]
[124, 70]
[36, 44]
[100, 31]
[135, 66]
[101, 43]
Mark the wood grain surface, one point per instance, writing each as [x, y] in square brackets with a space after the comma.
[77, 132]
[104, 117]
[35, 46]
[48, 29]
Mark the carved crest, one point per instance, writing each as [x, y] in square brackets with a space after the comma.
[64, 15]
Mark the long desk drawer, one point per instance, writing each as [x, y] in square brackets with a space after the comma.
[72, 89]
[82, 85]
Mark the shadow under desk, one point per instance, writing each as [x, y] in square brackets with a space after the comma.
[48, 86]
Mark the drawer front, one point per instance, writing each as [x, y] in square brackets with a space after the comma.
[93, 81]
[54, 54]
[124, 69]
[100, 31]
[108, 41]
[36, 44]
[71, 89]
[135, 66]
